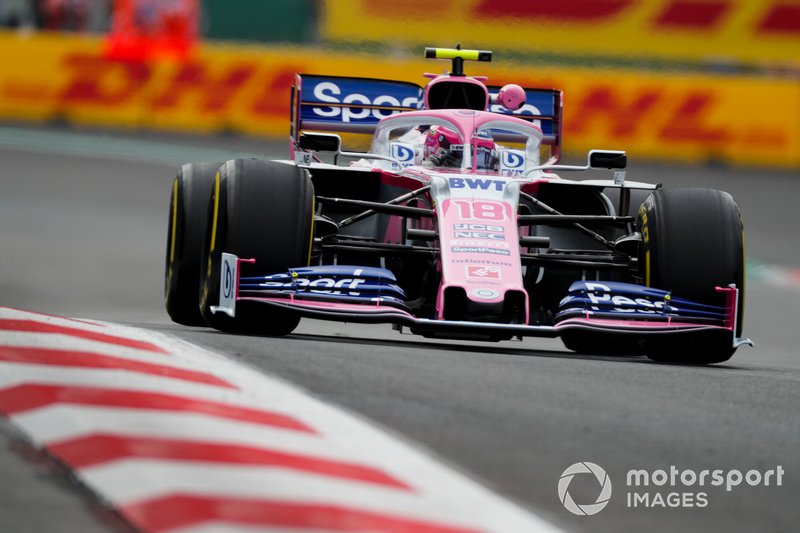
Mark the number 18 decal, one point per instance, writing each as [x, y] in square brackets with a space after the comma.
[482, 210]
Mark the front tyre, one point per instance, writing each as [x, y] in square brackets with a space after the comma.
[260, 210]
[186, 228]
[693, 241]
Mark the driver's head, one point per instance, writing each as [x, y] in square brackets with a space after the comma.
[443, 147]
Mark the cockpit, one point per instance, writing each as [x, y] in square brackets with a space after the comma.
[464, 140]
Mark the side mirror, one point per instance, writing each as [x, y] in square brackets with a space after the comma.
[320, 142]
[511, 97]
[610, 159]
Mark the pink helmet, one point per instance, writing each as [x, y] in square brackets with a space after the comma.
[444, 148]
[441, 142]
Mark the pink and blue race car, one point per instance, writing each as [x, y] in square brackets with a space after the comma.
[452, 224]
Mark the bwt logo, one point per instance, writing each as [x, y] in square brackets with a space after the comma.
[477, 184]
[512, 163]
[328, 92]
[512, 160]
[590, 508]
[403, 153]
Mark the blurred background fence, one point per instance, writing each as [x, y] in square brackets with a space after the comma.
[690, 80]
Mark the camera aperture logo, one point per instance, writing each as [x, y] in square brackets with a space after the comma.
[589, 508]
[663, 488]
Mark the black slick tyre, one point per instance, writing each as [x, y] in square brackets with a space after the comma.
[186, 228]
[260, 210]
[693, 241]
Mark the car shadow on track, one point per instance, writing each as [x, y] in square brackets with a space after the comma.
[495, 349]
[420, 343]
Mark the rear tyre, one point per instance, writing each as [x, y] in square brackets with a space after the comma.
[693, 241]
[259, 210]
[186, 228]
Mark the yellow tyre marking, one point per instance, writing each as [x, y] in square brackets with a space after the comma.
[216, 213]
[213, 234]
[647, 268]
[174, 220]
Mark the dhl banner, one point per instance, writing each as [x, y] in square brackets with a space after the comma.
[224, 88]
[723, 31]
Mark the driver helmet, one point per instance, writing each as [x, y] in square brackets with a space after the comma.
[443, 148]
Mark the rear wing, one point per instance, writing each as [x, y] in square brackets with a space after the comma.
[356, 105]
[341, 104]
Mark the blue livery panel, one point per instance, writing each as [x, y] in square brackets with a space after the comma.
[351, 284]
[331, 103]
[610, 299]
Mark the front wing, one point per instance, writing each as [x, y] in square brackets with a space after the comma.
[377, 300]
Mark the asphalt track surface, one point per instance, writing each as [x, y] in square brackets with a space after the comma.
[84, 235]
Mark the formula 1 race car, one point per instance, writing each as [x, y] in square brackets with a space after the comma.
[450, 226]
